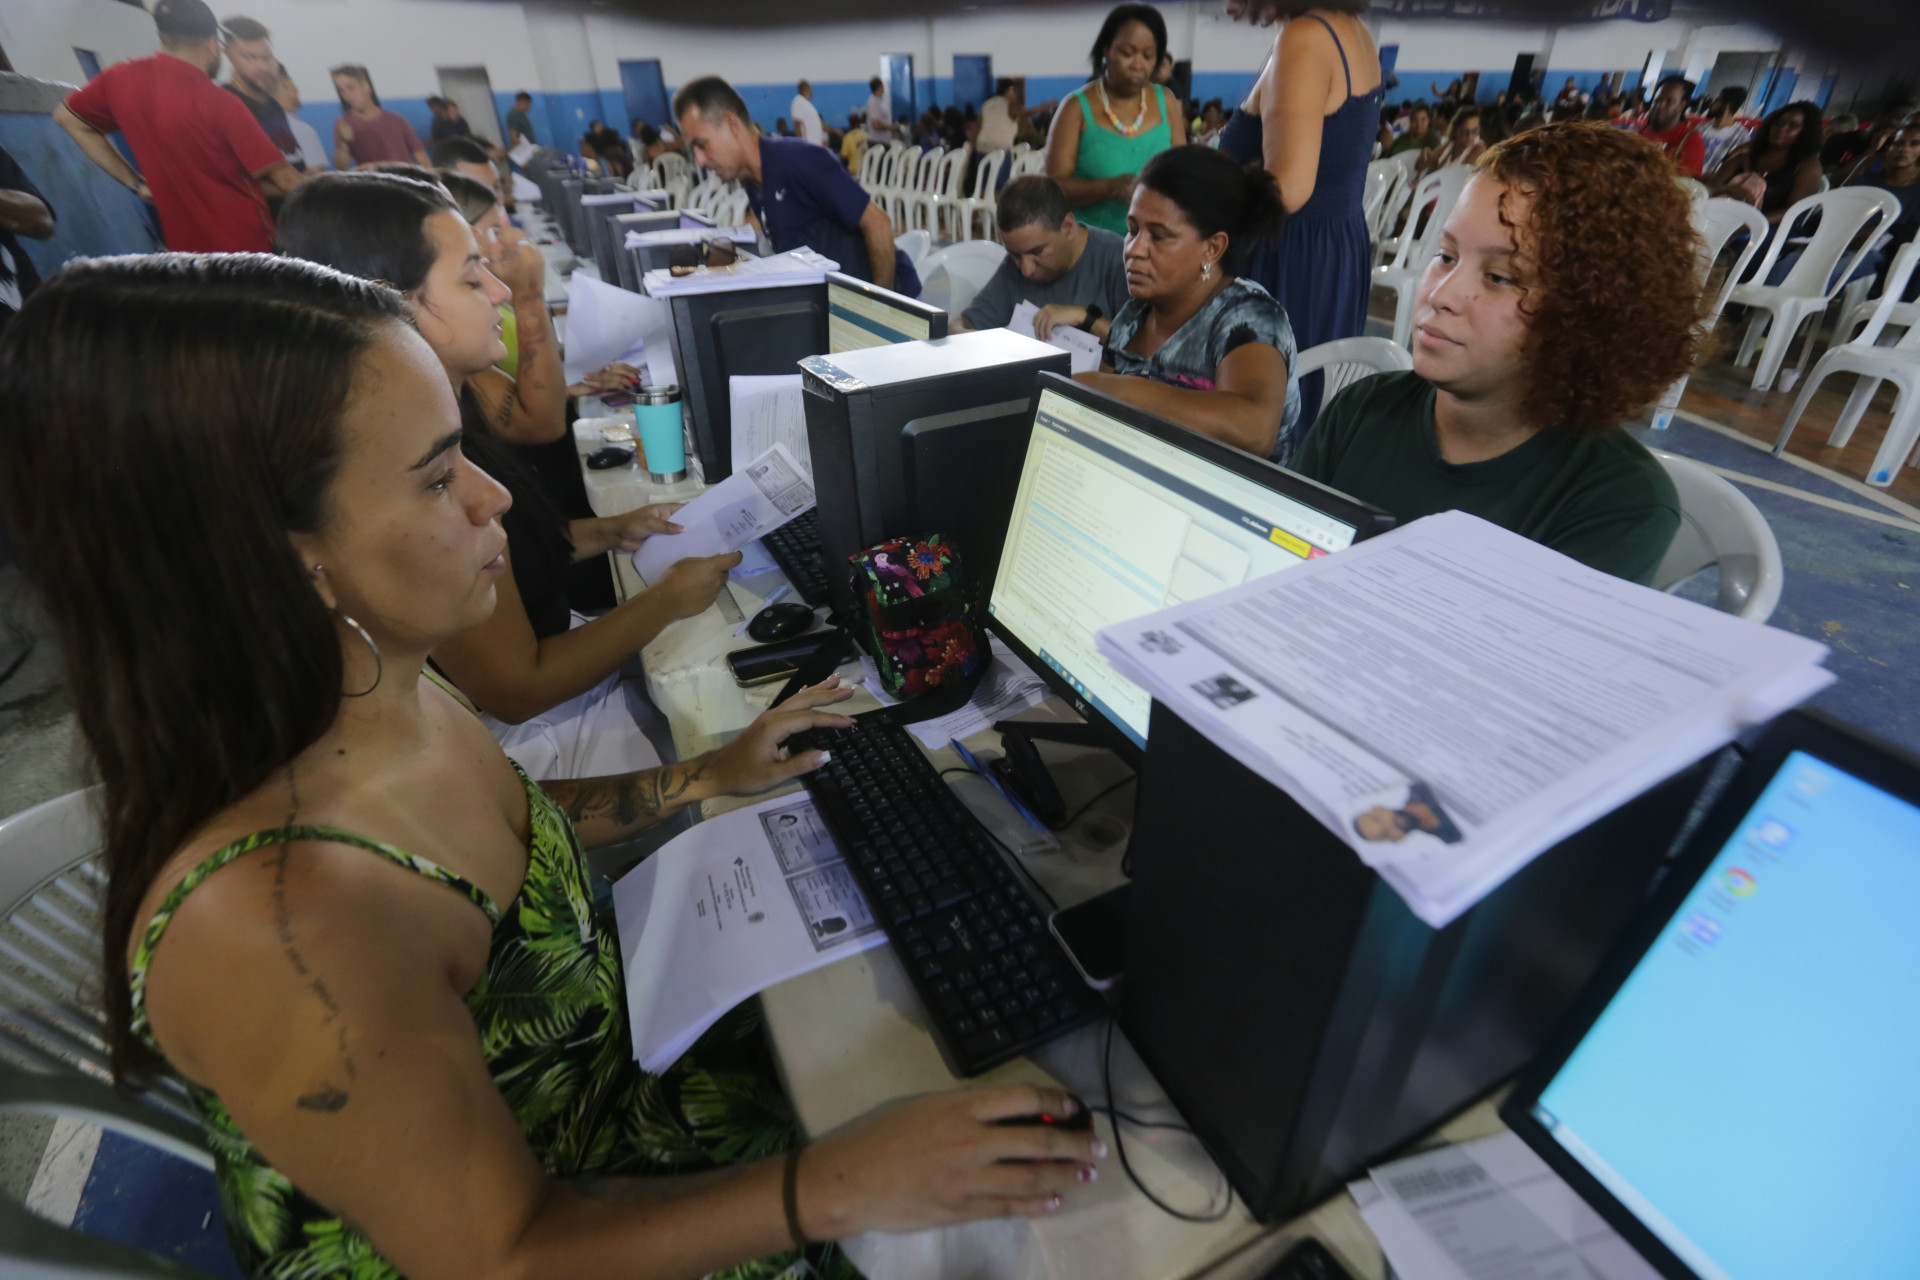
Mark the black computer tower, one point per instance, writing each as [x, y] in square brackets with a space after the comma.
[1305, 1022]
[921, 437]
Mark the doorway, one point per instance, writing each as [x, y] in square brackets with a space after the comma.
[644, 89]
[896, 70]
[473, 91]
[972, 79]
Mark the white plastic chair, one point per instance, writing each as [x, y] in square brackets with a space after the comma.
[954, 274]
[1719, 525]
[918, 244]
[1345, 361]
[983, 202]
[942, 192]
[917, 171]
[1781, 309]
[1718, 221]
[730, 210]
[1898, 364]
[1441, 189]
[1381, 181]
[53, 1059]
[870, 161]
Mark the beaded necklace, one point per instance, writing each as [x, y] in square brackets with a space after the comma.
[1124, 130]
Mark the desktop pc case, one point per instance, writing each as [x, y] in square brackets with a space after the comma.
[921, 437]
[740, 332]
[1305, 1022]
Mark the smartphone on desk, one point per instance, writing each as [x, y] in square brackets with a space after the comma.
[1094, 933]
[766, 663]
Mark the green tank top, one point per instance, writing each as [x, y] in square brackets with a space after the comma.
[1106, 154]
[551, 1016]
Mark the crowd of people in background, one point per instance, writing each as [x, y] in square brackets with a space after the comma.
[387, 506]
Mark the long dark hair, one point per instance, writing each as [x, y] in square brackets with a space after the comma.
[1807, 144]
[154, 527]
[354, 71]
[1117, 19]
[370, 223]
[1218, 193]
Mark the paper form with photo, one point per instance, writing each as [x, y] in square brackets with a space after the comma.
[1452, 699]
[767, 410]
[751, 503]
[605, 324]
[727, 909]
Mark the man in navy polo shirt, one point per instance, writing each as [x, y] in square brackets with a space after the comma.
[800, 192]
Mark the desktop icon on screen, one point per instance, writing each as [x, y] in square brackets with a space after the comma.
[1737, 882]
[1699, 928]
[1772, 833]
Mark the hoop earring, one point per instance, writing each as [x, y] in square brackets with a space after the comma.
[1206, 271]
[379, 664]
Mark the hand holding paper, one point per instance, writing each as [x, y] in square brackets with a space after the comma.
[1082, 347]
[750, 503]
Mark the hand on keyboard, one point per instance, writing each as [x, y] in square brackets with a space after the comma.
[759, 759]
[942, 1159]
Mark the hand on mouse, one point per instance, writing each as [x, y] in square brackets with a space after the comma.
[757, 760]
[942, 1159]
[690, 585]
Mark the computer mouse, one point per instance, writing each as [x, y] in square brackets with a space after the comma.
[613, 455]
[779, 621]
[1081, 1121]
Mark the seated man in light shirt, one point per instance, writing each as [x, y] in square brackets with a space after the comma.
[1072, 272]
[1000, 117]
[806, 117]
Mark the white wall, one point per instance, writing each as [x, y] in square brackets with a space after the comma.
[566, 47]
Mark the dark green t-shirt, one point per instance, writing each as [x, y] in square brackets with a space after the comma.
[1597, 496]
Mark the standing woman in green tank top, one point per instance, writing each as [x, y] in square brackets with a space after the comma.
[1107, 130]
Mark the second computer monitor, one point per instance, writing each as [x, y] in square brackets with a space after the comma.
[1119, 513]
[862, 315]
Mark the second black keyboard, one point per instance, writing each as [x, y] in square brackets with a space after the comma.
[993, 979]
[795, 547]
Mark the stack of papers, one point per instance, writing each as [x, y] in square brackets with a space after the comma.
[1082, 347]
[799, 266]
[605, 323]
[751, 503]
[742, 234]
[727, 909]
[766, 411]
[1489, 1210]
[1452, 699]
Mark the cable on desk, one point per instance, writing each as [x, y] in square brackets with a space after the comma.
[1081, 812]
[1004, 847]
[1120, 1148]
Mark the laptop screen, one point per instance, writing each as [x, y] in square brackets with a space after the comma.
[1749, 1092]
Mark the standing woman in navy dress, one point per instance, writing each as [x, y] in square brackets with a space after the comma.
[1311, 119]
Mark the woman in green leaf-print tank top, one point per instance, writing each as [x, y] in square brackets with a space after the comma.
[1107, 130]
[368, 943]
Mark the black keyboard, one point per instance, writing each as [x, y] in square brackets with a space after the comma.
[994, 980]
[795, 547]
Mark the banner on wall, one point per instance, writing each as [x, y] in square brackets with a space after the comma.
[1495, 11]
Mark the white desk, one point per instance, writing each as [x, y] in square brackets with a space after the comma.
[852, 1036]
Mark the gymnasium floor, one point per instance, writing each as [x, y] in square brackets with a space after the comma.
[1852, 557]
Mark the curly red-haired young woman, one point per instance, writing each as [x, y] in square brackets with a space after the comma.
[1564, 297]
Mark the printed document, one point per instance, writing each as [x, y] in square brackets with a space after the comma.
[606, 323]
[751, 503]
[767, 411]
[1452, 699]
[1489, 1210]
[796, 266]
[1082, 348]
[727, 909]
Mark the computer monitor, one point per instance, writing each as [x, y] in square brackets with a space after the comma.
[575, 191]
[860, 315]
[627, 268]
[920, 437]
[1734, 1091]
[694, 220]
[1118, 513]
[716, 336]
[598, 212]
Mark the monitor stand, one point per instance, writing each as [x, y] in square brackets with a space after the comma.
[1025, 774]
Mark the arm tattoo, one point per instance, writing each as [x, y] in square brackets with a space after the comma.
[330, 1096]
[629, 800]
[503, 412]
